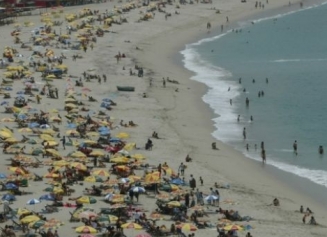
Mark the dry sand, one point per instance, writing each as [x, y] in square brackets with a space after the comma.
[181, 118]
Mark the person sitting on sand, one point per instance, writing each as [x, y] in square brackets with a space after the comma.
[214, 146]
[276, 202]
[301, 209]
[313, 221]
[188, 158]
[155, 135]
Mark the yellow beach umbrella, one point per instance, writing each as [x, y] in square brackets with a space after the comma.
[174, 204]
[187, 227]
[11, 140]
[138, 156]
[85, 229]
[78, 166]
[47, 137]
[48, 131]
[129, 146]
[53, 152]
[25, 130]
[61, 163]
[90, 142]
[72, 132]
[51, 175]
[29, 219]
[131, 225]
[92, 134]
[5, 134]
[101, 172]
[233, 227]
[21, 211]
[120, 160]
[70, 100]
[122, 135]
[8, 120]
[70, 105]
[78, 154]
[86, 200]
[97, 153]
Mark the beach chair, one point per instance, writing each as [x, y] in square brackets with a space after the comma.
[16, 225]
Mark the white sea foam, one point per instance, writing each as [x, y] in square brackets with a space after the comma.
[298, 60]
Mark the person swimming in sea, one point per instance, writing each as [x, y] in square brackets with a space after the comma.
[321, 150]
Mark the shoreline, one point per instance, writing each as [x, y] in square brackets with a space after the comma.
[201, 89]
[311, 189]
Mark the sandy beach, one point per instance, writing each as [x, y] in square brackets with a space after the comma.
[175, 111]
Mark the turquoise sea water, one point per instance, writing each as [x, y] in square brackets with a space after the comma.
[289, 50]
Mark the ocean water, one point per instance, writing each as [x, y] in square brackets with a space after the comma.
[291, 51]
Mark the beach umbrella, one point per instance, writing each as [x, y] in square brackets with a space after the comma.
[47, 137]
[77, 154]
[92, 134]
[61, 163]
[111, 182]
[233, 227]
[138, 189]
[78, 166]
[121, 160]
[101, 172]
[8, 197]
[177, 181]
[122, 135]
[37, 151]
[47, 197]
[3, 176]
[71, 125]
[211, 198]
[33, 125]
[174, 204]
[44, 126]
[51, 175]
[21, 211]
[87, 235]
[33, 201]
[138, 156]
[11, 186]
[87, 214]
[131, 225]
[85, 229]
[53, 152]
[17, 170]
[86, 200]
[152, 177]
[109, 218]
[97, 153]
[29, 219]
[72, 132]
[25, 130]
[6, 120]
[5, 134]
[48, 131]
[93, 179]
[156, 216]
[187, 227]
[118, 205]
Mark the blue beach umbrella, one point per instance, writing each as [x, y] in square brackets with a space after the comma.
[138, 189]
[33, 201]
[114, 140]
[11, 186]
[104, 105]
[8, 197]
[211, 198]
[33, 125]
[3, 176]
[20, 92]
[71, 125]
[22, 116]
[104, 133]
[101, 129]
[47, 197]
[177, 181]
[4, 103]
[8, 88]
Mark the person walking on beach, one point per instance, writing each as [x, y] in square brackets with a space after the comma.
[267, 80]
[295, 147]
[208, 25]
[262, 146]
[238, 118]
[181, 168]
[247, 102]
[231, 102]
[244, 133]
[321, 150]
[63, 140]
[164, 82]
[222, 28]
[263, 156]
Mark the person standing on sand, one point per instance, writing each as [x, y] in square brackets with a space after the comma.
[244, 133]
[263, 156]
[295, 147]
[63, 140]
[164, 82]
[181, 169]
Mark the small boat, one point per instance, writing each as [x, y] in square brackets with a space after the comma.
[126, 88]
